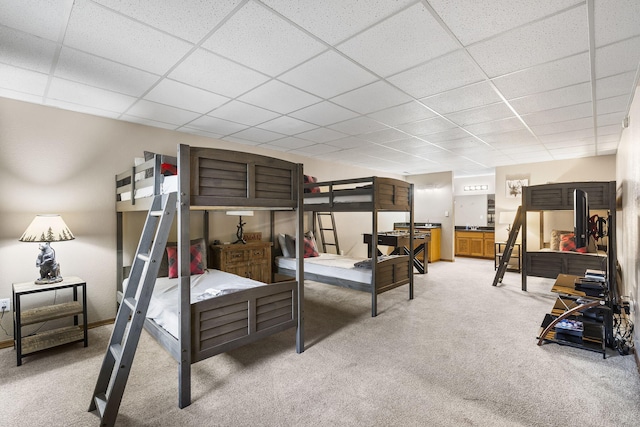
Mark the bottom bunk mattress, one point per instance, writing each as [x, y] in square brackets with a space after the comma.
[163, 307]
[330, 265]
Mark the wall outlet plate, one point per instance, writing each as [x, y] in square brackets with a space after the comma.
[5, 304]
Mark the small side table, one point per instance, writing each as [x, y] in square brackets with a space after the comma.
[500, 247]
[50, 338]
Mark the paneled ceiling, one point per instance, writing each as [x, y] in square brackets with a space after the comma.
[402, 86]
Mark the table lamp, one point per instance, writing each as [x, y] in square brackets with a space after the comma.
[240, 233]
[46, 229]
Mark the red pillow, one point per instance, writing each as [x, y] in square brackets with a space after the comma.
[568, 242]
[310, 248]
[310, 180]
[197, 260]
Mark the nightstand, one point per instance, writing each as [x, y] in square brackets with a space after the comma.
[49, 338]
[251, 260]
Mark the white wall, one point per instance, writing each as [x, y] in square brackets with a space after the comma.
[601, 168]
[471, 210]
[628, 181]
[434, 203]
[57, 161]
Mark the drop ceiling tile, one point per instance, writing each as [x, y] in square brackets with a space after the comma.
[21, 80]
[315, 149]
[427, 127]
[46, 19]
[382, 136]
[441, 74]
[616, 23]
[498, 126]
[567, 125]
[99, 72]
[407, 145]
[256, 135]
[564, 96]
[551, 146]
[373, 97]
[358, 125]
[463, 17]
[260, 39]
[573, 152]
[405, 113]
[584, 110]
[488, 113]
[612, 105]
[77, 93]
[279, 97]
[542, 41]
[26, 51]
[463, 98]
[228, 79]
[566, 136]
[521, 148]
[237, 140]
[152, 123]
[619, 84]
[614, 129]
[321, 135]
[447, 135]
[327, 75]
[180, 95]
[400, 42]
[287, 125]
[200, 132]
[216, 125]
[618, 57]
[91, 28]
[542, 78]
[162, 113]
[240, 112]
[82, 109]
[324, 114]
[514, 137]
[20, 96]
[188, 19]
[349, 142]
[289, 143]
[336, 20]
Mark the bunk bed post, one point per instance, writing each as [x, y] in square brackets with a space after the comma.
[300, 258]
[411, 248]
[374, 252]
[119, 253]
[523, 247]
[184, 344]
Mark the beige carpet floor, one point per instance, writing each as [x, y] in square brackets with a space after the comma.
[462, 353]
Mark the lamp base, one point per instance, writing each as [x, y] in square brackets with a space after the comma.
[48, 280]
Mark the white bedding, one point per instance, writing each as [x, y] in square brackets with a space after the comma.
[169, 185]
[330, 265]
[163, 307]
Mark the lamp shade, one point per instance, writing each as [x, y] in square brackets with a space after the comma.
[47, 228]
[507, 217]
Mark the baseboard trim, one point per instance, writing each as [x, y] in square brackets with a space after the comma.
[9, 343]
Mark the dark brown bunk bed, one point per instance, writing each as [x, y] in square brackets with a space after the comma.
[207, 180]
[373, 195]
[561, 265]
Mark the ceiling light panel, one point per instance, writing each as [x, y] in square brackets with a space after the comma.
[188, 19]
[91, 28]
[263, 41]
[402, 41]
[542, 41]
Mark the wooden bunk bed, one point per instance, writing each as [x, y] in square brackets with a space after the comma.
[214, 179]
[372, 195]
[559, 196]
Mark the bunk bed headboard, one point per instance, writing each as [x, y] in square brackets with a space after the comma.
[230, 178]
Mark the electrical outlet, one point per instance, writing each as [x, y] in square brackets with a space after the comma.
[5, 304]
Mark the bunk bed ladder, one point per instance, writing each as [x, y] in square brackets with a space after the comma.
[506, 255]
[131, 315]
[322, 229]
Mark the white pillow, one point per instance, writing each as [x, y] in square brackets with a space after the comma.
[283, 245]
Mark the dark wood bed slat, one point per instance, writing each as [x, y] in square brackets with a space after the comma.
[264, 325]
[218, 321]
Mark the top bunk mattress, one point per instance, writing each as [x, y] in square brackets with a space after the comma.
[164, 304]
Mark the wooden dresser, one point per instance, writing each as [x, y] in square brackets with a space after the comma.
[251, 260]
[475, 243]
